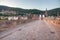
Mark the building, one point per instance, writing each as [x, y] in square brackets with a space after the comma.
[9, 18]
[46, 13]
[12, 18]
[8, 12]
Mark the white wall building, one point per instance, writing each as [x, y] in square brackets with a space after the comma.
[7, 11]
[24, 18]
[13, 18]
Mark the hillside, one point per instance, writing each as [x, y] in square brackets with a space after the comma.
[21, 11]
[54, 12]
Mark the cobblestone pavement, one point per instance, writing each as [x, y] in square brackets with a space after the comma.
[37, 30]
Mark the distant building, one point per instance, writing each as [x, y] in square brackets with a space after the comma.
[46, 13]
[13, 18]
[24, 17]
[58, 14]
[35, 17]
[8, 12]
[9, 18]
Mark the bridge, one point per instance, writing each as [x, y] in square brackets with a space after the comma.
[35, 30]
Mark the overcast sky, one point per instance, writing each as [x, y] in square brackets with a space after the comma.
[32, 4]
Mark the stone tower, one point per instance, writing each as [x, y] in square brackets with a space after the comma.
[46, 13]
[57, 14]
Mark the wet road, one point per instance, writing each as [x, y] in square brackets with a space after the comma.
[37, 30]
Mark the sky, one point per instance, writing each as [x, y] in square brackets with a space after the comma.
[32, 4]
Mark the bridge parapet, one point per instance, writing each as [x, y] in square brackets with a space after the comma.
[54, 22]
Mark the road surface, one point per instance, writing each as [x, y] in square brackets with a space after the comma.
[37, 30]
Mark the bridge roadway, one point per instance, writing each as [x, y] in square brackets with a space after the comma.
[37, 30]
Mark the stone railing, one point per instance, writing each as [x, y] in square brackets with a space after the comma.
[55, 22]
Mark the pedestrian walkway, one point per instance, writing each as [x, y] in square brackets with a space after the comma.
[38, 30]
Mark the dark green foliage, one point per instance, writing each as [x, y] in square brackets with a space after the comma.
[22, 12]
[54, 12]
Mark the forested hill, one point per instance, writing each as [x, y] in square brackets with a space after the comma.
[21, 11]
[54, 12]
